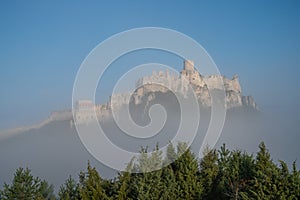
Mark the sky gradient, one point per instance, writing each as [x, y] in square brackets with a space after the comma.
[44, 43]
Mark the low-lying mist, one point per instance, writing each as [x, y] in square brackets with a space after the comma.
[55, 151]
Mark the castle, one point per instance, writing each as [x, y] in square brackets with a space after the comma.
[164, 81]
[234, 97]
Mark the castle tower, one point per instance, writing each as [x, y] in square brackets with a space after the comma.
[189, 65]
[190, 74]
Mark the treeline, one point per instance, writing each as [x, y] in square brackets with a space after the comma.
[220, 174]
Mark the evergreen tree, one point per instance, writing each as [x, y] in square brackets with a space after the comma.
[219, 185]
[265, 175]
[294, 183]
[186, 173]
[24, 186]
[220, 174]
[149, 185]
[90, 185]
[69, 191]
[170, 155]
[108, 186]
[125, 189]
[46, 190]
[239, 175]
[208, 173]
[170, 188]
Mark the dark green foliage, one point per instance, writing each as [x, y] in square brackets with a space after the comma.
[70, 190]
[170, 189]
[25, 186]
[219, 175]
[209, 173]
[171, 154]
[123, 185]
[91, 185]
[272, 181]
[46, 190]
[148, 185]
[238, 176]
[186, 173]
[294, 182]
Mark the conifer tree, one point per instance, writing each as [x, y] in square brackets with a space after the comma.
[219, 185]
[90, 185]
[169, 190]
[294, 182]
[124, 183]
[265, 175]
[170, 155]
[149, 184]
[208, 173]
[46, 190]
[186, 173]
[239, 175]
[220, 175]
[69, 191]
[24, 186]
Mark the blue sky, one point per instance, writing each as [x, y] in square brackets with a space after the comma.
[44, 43]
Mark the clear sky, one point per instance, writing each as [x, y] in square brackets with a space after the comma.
[42, 44]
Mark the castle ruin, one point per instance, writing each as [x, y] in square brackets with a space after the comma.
[164, 81]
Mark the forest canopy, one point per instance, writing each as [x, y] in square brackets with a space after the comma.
[220, 174]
